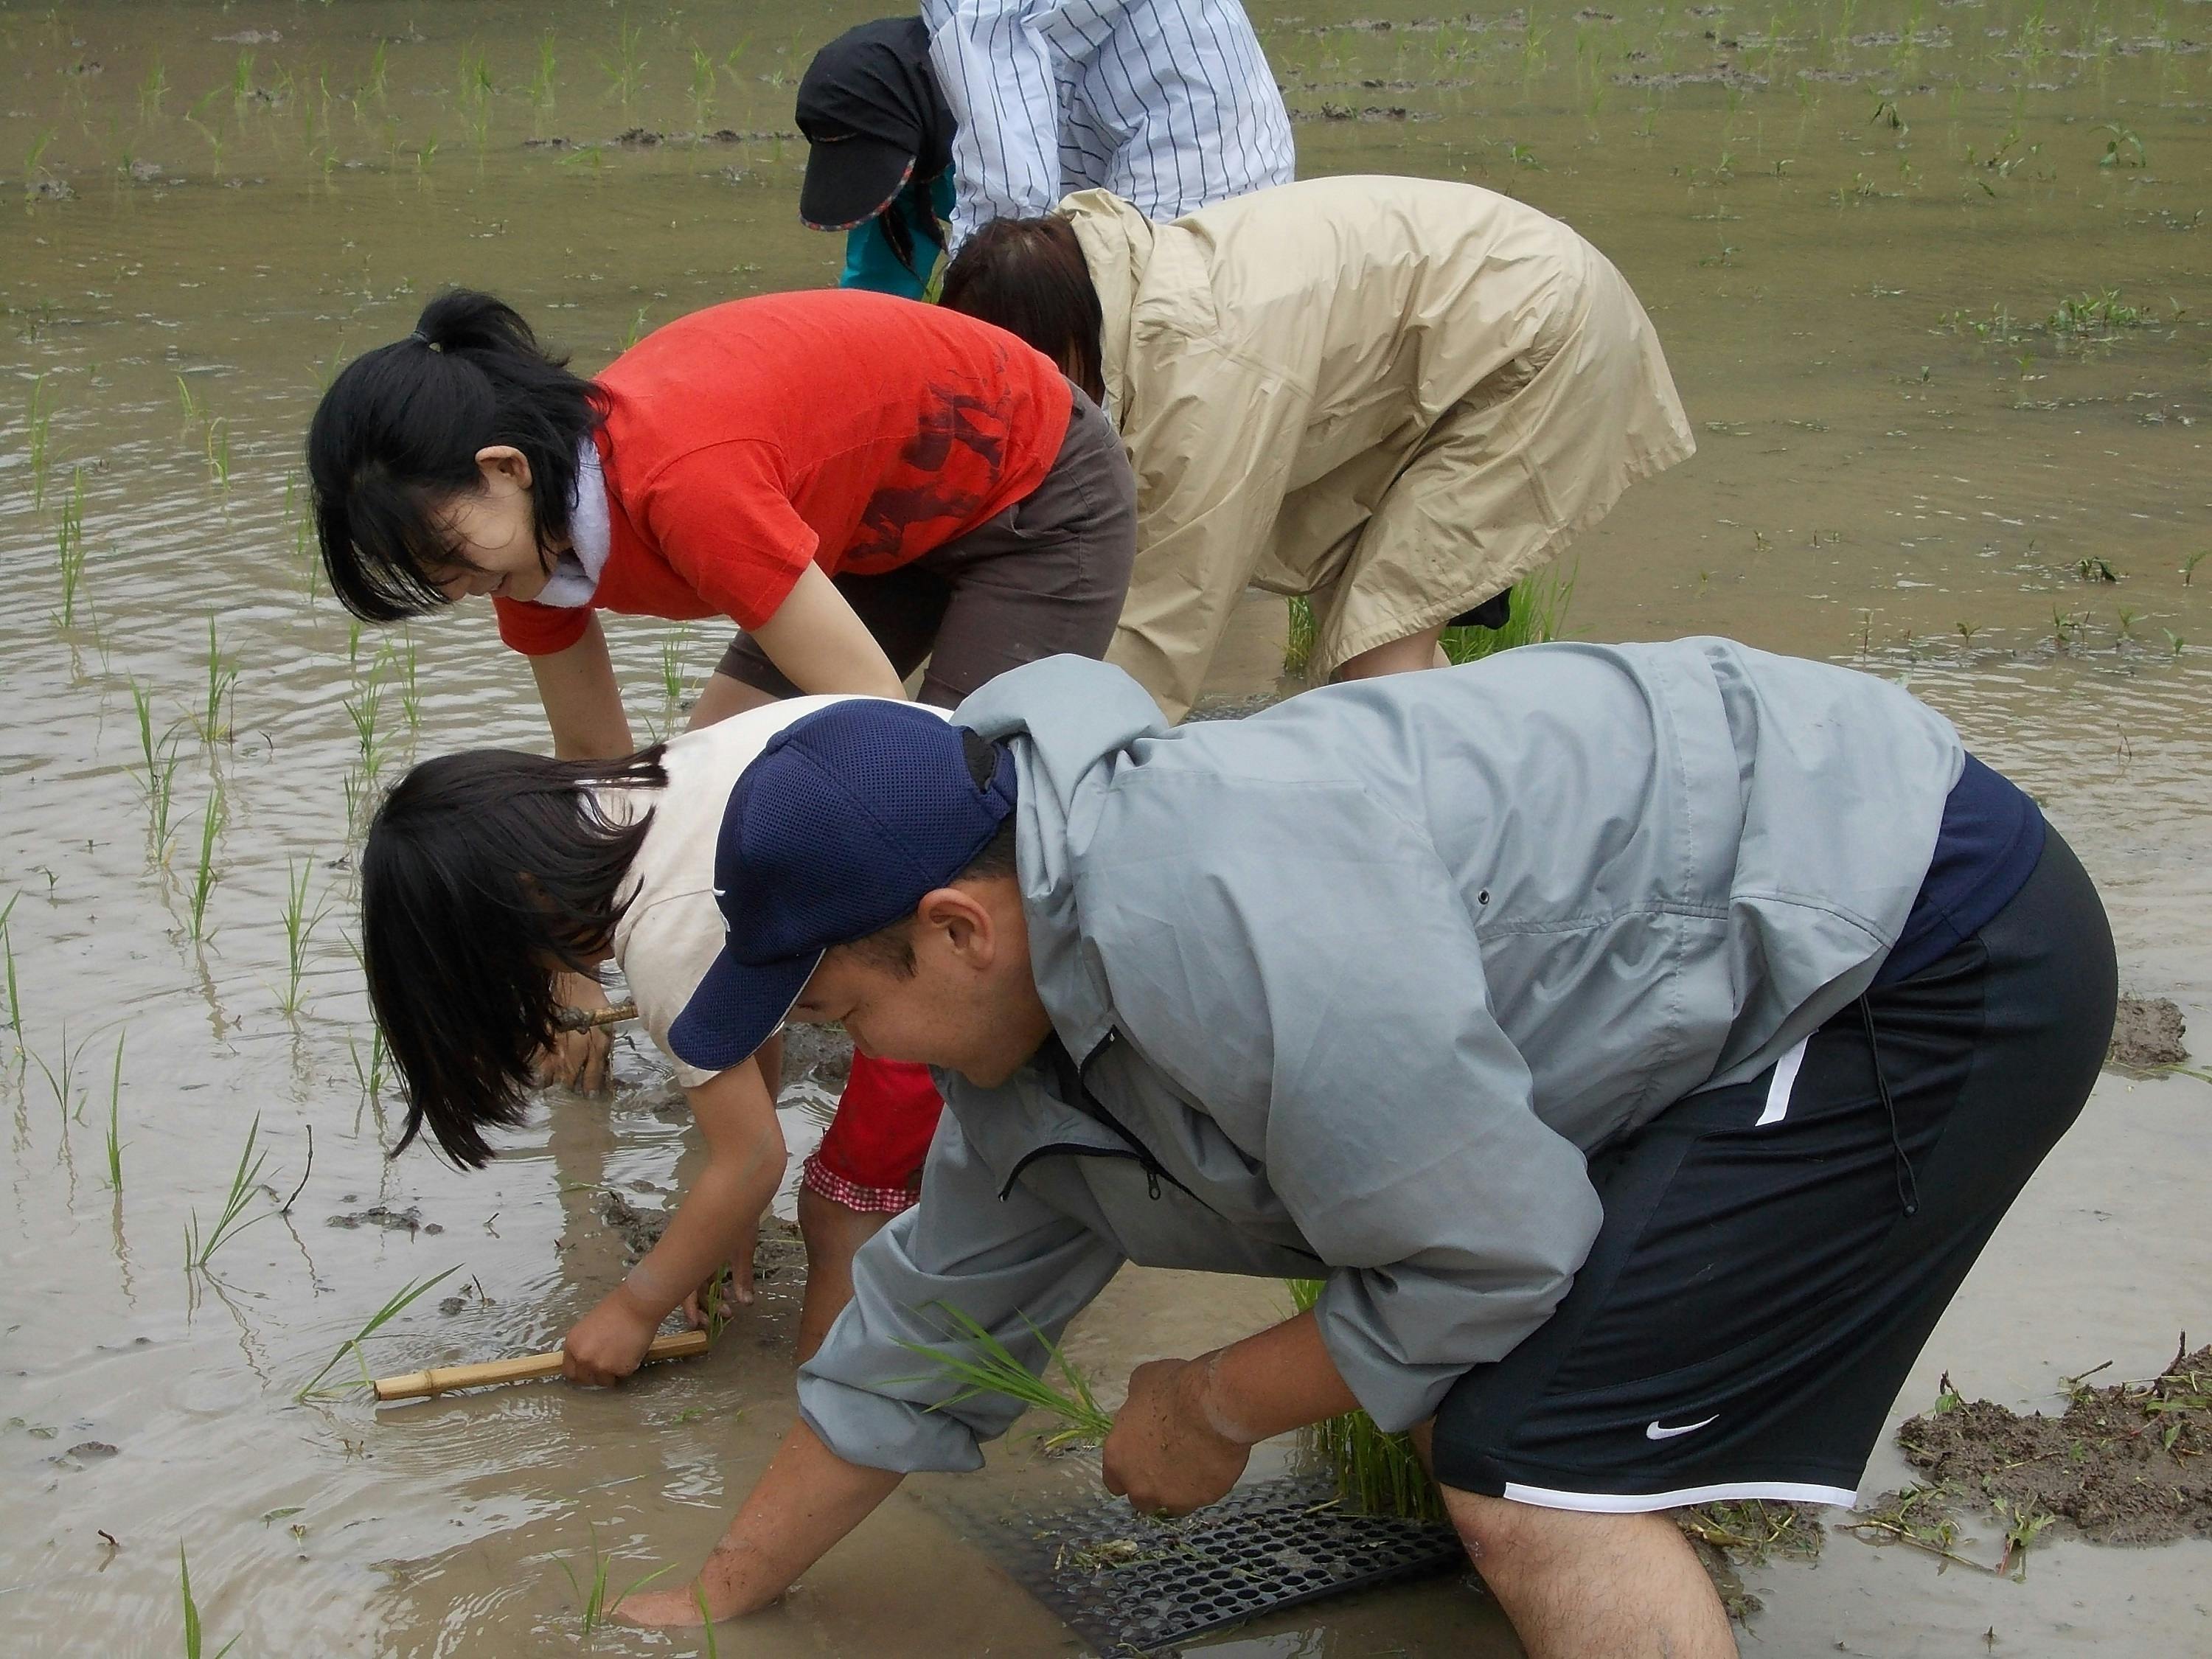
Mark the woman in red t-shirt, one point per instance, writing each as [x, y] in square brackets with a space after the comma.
[858, 483]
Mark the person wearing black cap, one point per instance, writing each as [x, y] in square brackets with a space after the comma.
[879, 156]
[1641, 1042]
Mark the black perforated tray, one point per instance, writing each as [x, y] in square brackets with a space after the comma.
[1127, 1585]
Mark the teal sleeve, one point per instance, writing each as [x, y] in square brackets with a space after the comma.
[869, 263]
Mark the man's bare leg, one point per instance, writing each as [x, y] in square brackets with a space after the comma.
[1398, 657]
[1576, 1584]
[833, 1232]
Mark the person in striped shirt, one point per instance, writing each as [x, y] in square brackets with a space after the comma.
[1170, 103]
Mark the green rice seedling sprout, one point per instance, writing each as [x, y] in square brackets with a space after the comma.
[152, 90]
[2123, 148]
[410, 696]
[189, 401]
[34, 163]
[595, 1600]
[1298, 641]
[218, 453]
[374, 87]
[672, 644]
[8, 950]
[364, 710]
[299, 929]
[706, 1622]
[1967, 630]
[371, 1076]
[626, 68]
[244, 1182]
[2098, 312]
[205, 878]
[2127, 620]
[703, 79]
[221, 681]
[241, 82]
[2091, 568]
[314, 1389]
[2188, 566]
[68, 549]
[1539, 614]
[1376, 1474]
[636, 328]
[193, 1638]
[159, 759]
[985, 1365]
[63, 1085]
[114, 1121]
[540, 89]
[41, 423]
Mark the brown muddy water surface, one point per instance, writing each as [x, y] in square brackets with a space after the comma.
[1933, 277]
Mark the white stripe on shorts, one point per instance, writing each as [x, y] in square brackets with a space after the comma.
[1777, 1091]
[1599, 1502]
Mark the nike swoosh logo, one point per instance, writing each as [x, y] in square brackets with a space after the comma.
[1653, 1432]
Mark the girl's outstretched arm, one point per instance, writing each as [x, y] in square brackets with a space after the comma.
[809, 1498]
[583, 703]
[822, 645]
[716, 1220]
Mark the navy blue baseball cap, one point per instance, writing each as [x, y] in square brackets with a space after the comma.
[835, 830]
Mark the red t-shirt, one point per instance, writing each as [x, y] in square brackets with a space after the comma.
[850, 429]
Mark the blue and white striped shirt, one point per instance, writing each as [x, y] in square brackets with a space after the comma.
[1170, 103]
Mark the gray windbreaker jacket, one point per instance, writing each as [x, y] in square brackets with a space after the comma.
[1359, 983]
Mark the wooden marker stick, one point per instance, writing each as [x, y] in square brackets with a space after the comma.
[525, 1368]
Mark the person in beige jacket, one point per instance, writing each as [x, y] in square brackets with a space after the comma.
[1397, 396]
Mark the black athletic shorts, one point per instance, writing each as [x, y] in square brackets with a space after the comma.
[1774, 1254]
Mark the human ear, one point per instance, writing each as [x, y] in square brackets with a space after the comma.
[953, 916]
[504, 464]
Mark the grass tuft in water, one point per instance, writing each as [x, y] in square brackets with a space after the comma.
[625, 71]
[68, 549]
[158, 757]
[594, 1597]
[200, 1246]
[984, 1365]
[221, 681]
[114, 1121]
[194, 1640]
[299, 929]
[314, 1390]
[206, 876]
[63, 1083]
[1376, 1474]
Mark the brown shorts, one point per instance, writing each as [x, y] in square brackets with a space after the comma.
[1047, 575]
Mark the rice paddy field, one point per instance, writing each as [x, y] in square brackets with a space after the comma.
[1933, 276]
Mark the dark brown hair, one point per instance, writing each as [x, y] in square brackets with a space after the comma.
[1028, 276]
[485, 873]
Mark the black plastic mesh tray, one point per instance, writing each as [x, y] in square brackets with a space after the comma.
[1127, 1585]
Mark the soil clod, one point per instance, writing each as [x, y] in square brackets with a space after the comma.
[2147, 1033]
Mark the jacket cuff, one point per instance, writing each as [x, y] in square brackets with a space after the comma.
[878, 1432]
[1397, 1395]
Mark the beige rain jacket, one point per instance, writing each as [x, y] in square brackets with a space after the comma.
[1397, 395]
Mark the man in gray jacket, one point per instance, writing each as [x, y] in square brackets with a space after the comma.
[1641, 1042]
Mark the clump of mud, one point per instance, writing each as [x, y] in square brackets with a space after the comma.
[779, 1255]
[2128, 1464]
[821, 1055]
[1730, 1536]
[2147, 1033]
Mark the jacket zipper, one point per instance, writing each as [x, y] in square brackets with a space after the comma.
[1088, 1103]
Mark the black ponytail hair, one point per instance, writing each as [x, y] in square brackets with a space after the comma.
[1029, 277]
[397, 436]
[484, 874]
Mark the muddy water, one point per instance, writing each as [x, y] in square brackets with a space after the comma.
[1856, 227]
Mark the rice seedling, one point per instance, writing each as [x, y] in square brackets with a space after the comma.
[34, 170]
[221, 681]
[985, 1365]
[7, 950]
[410, 696]
[299, 930]
[39, 435]
[703, 78]
[2098, 312]
[158, 757]
[595, 1598]
[636, 330]
[473, 92]
[2174, 644]
[2188, 566]
[370, 1077]
[1376, 1474]
[152, 90]
[63, 1083]
[1538, 613]
[114, 1121]
[1298, 641]
[68, 549]
[188, 402]
[200, 1247]
[374, 86]
[2091, 569]
[364, 709]
[314, 1389]
[217, 442]
[194, 1640]
[205, 878]
[626, 69]
[2123, 148]
[673, 644]
[540, 89]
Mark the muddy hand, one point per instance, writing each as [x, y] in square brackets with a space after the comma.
[1164, 1456]
[607, 1344]
[578, 1059]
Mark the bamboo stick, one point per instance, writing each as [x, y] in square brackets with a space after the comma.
[590, 1019]
[523, 1368]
